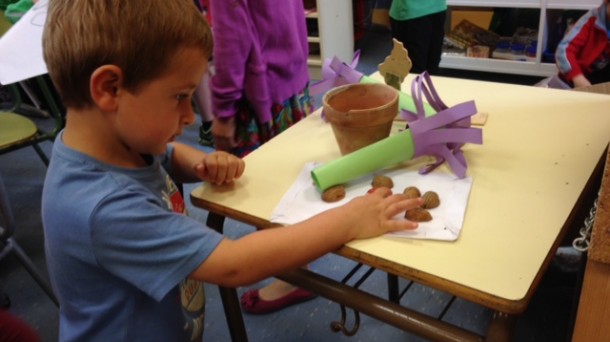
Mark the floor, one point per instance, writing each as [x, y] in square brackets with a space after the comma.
[548, 317]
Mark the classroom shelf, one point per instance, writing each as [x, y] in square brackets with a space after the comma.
[533, 66]
[330, 33]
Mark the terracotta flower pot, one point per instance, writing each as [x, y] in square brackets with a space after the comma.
[360, 114]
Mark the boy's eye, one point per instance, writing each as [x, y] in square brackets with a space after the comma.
[181, 97]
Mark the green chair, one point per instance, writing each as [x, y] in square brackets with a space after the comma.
[18, 131]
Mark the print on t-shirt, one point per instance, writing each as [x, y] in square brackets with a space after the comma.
[192, 295]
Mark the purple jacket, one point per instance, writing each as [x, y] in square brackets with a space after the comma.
[260, 54]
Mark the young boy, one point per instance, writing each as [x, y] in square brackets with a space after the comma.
[583, 55]
[118, 244]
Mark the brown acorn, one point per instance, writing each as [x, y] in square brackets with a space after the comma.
[382, 181]
[431, 200]
[334, 194]
[412, 192]
[418, 215]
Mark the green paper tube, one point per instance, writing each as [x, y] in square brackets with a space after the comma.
[404, 101]
[387, 152]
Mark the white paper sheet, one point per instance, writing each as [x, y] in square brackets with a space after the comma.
[21, 47]
[303, 200]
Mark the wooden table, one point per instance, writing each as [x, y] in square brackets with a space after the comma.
[540, 157]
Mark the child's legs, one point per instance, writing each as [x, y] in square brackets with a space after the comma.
[203, 101]
[415, 38]
[250, 135]
[203, 98]
[437, 35]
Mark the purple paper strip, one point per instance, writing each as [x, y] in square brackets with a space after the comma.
[337, 73]
[443, 134]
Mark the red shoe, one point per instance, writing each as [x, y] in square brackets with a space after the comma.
[252, 303]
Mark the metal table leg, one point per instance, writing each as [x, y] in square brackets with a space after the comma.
[381, 309]
[393, 295]
[501, 327]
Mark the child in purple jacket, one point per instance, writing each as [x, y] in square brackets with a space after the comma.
[260, 88]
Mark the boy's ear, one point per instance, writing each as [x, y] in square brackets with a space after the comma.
[104, 86]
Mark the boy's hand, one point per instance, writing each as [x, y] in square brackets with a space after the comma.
[580, 81]
[220, 168]
[373, 213]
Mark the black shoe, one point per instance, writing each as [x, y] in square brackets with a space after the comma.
[205, 135]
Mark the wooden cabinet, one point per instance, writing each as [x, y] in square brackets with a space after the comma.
[330, 32]
[533, 65]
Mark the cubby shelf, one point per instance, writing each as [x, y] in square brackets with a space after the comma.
[535, 67]
[330, 33]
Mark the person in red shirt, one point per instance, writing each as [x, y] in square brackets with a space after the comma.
[583, 55]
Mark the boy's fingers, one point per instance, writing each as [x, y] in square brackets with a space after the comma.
[399, 204]
[382, 191]
[221, 169]
[398, 225]
[235, 169]
[211, 169]
[200, 170]
[240, 168]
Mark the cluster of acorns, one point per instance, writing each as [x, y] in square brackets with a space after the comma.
[421, 214]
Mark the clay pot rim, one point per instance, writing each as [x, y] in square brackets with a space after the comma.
[339, 89]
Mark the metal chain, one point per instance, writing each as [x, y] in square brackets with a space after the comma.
[582, 242]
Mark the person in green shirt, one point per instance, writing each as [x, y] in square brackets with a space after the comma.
[15, 9]
[419, 26]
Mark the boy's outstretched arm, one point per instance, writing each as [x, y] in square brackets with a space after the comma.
[268, 252]
[192, 165]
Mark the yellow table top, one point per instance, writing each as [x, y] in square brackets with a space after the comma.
[539, 149]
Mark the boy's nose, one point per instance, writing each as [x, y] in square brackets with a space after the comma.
[189, 117]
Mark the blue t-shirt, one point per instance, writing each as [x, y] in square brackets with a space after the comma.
[119, 248]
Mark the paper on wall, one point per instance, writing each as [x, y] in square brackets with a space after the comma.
[21, 47]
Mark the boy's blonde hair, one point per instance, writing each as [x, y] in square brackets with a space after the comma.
[139, 36]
